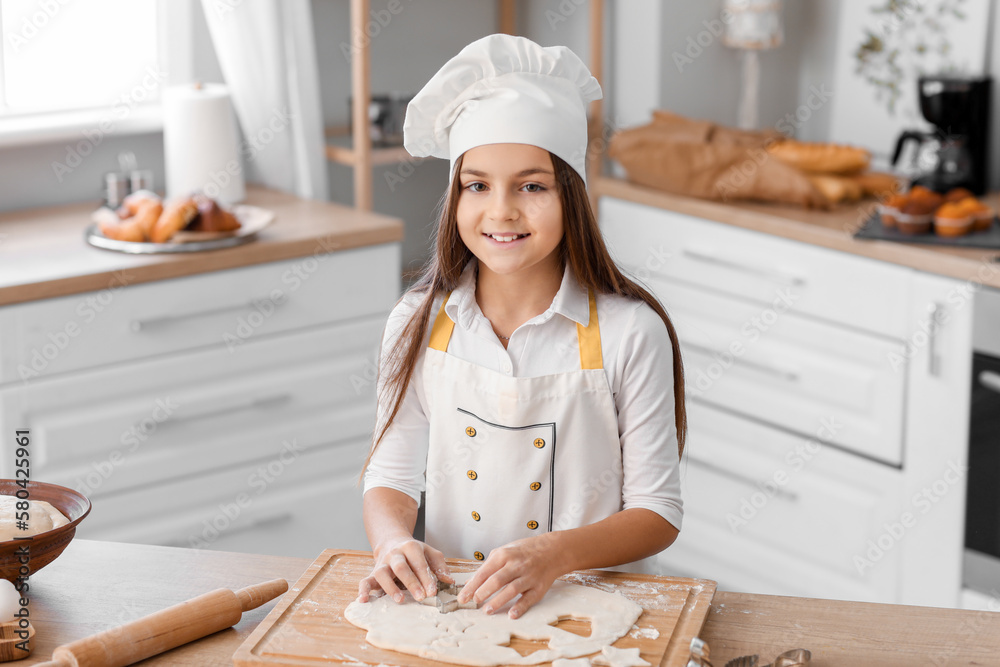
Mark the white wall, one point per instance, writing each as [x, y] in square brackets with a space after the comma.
[709, 85]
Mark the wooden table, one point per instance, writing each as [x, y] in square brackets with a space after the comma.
[97, 585]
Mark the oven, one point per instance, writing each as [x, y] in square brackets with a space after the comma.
[981, 572]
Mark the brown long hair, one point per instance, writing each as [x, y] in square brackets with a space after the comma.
[582, 246]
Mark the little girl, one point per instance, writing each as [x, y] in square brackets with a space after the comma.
[532, 392]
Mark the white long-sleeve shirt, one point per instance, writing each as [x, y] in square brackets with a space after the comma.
[638, 361]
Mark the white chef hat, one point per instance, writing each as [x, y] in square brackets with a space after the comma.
[503, 89]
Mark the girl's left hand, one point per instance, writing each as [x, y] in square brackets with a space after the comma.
[526, 567]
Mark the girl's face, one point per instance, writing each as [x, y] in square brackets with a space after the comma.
[509, 210]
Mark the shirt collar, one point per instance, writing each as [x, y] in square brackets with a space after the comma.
[571, 301]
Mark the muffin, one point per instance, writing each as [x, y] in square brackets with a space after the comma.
[889, 209]
[957, 194]
[952, 219]
[922, 194]
[981, 213]
[915, 217]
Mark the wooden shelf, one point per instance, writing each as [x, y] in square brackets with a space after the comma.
[388, 155]
[342, 153]
[361, 156]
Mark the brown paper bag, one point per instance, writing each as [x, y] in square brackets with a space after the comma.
[701, 159]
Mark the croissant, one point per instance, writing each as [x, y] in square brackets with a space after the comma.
[129, 229]
[174, 218]
[212, 217]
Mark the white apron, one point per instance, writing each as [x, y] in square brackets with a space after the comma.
[514, 457]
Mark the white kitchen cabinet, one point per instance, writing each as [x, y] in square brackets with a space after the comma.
[828, 285]
[292, 505]
[167, 424]
[790, 348]
[124, 322]
[125, 426]
[939, 372]
[792, 372]
[781, 513]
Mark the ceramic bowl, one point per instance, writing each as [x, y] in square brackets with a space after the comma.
[44, 547]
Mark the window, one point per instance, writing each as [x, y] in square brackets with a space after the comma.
[73, 55]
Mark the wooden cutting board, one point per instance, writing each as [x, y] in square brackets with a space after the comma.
[308, 626]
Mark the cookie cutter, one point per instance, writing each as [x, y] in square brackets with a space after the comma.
[446, 599]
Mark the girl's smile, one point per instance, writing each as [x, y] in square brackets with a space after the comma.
[506, 239]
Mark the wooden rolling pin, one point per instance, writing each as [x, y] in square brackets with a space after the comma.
[166, 629]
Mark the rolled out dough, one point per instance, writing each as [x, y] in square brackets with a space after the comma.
[620, 657]
[472, 637]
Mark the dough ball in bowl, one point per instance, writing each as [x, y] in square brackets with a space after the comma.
[40, 517]
[48, 532]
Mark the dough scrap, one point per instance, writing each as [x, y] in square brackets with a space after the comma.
[571, 662]
[644, 633]
[472, 637]
[620, 657]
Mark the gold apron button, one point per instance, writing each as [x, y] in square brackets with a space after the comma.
[475, 516]
[471, 432]
[539, 443]
[472, 474]
[532, 524]
[479, 555]
[535, 486]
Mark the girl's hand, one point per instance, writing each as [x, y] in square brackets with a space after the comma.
[526, 567]
[414, 564]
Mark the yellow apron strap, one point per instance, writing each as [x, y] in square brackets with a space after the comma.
[443, 326]
[590, 339]
[589, 336]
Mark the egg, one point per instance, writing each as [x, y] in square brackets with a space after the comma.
[10, 601]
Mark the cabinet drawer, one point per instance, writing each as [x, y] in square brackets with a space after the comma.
[125, 427]
[791, 371]
[826, 284]
[295, 505]
[780, 514]
[225, 309]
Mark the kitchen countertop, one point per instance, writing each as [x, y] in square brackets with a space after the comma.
[97, 585]
[43, 254]
[829, 229]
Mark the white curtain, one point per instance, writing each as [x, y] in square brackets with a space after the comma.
[267, 53]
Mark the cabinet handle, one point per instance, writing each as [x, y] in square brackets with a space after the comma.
[256, 402]
[990, 380]
[933, 361]
[779, 276]
[767, 369]
[138, 326]
[743, 479]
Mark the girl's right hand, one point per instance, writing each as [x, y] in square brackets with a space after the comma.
[416, 565]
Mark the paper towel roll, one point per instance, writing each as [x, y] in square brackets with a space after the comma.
[200, 144]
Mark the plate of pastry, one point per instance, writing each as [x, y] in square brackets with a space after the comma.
[954, 218]
[145, 224]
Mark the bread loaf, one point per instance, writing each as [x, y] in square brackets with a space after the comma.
[837, 189]
[820, 158]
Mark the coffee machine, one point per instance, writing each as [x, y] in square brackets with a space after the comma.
[959, 109]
